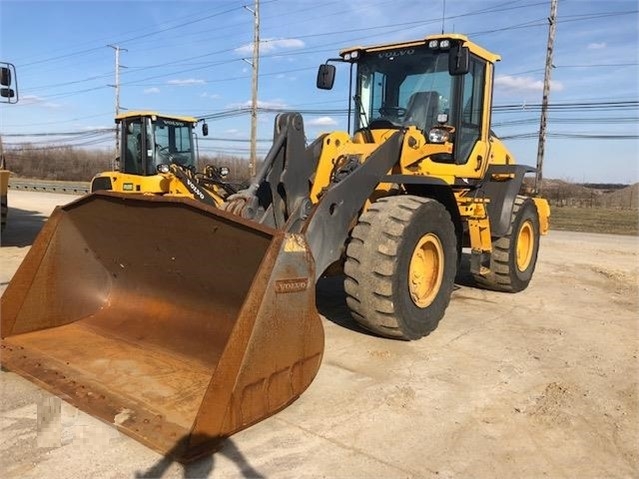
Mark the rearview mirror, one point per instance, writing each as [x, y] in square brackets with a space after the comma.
[5, 76]
[8, 83]
[325, 76]
[205, 129]
[458, 60]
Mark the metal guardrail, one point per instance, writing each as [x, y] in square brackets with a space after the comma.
[50, 186]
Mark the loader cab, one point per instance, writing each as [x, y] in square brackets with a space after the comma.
[441, 86]
[150, 140]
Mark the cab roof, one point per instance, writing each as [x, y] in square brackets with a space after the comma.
[147, 113]
[473, 47]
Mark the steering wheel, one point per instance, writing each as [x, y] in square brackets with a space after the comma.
[164, 152]
[393, 111]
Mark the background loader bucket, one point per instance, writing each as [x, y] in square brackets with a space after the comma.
[176, 322]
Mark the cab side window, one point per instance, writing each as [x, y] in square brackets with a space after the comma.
[133, 151]
[472, 110]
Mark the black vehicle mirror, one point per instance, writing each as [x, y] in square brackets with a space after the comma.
[5, 77]
[325, 76]
[8, 83]
[205, 129]
[458, 60]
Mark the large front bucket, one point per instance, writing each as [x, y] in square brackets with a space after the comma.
[176, 322]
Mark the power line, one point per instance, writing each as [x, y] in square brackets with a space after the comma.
[378, 27]
[573, 136]
[131, 39]
[65, 133]
[570, 121]
[56, 122]
[306, 51]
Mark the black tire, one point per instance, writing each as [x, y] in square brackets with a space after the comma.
[4, 212]
[378, 262]
[508, 272]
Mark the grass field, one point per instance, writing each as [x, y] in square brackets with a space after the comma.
[595, 220]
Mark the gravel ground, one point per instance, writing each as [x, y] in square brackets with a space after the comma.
[540, 383]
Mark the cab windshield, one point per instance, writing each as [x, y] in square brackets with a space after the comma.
[173, 142]
[404, 87]
[149, 143]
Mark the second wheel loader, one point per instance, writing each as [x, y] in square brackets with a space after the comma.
[182, 335]
[158, 156]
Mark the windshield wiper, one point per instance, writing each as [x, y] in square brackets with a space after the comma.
[366, 131]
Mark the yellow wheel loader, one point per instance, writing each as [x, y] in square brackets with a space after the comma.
[158, 156]
[182, 323]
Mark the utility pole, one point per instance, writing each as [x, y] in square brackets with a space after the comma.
[443, 14]
[255, 64]
[117, 95]
[552, 20]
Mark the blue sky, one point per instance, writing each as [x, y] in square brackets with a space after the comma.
[186, 57]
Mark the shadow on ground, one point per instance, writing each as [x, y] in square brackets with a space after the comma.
[22, 227]
[203, 467]
[464, 276]
[331, 297]
[331, 303]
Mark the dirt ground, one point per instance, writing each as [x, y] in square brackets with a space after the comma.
[543, 383]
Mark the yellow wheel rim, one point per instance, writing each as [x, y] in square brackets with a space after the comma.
[525, 245]
[426, 270]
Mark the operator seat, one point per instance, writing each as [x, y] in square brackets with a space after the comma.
[422, 109]
[132, 154]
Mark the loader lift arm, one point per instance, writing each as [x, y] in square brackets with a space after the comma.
[279, 195]
[200, 185]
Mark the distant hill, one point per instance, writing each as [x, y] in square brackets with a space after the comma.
[607, 187]
[626, 198]
[605, 195]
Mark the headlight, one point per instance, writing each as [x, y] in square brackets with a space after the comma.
[433, 44]
[354, 55]
[444, 44]
[163, 168]
[224, 171]
[438, 135]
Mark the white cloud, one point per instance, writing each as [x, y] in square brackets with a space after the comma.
[270, 104]
[96, 127]
[597, 46]
[282, 76]
[151, 90]
[512, 84]
[212, 96]
[232, 131]
[38, 101]
[268, 45]
[322, 121]
[279, 104]
[186, 82]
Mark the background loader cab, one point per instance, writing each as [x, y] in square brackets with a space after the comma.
[158, 156]
[150, 140]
